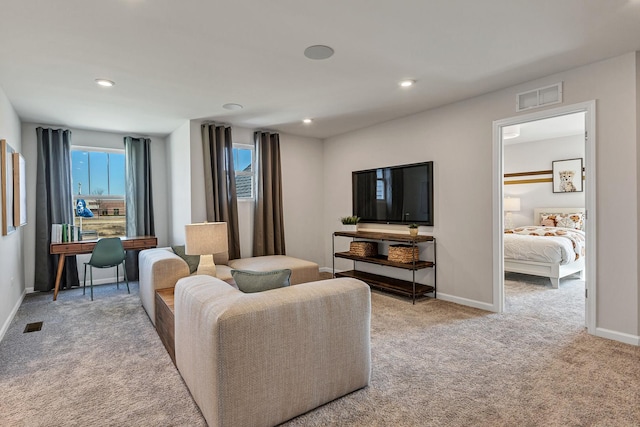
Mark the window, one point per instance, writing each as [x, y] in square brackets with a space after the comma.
[97, 177]
[380, 185]
[243, 160]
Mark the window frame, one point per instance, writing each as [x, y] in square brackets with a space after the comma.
[98, 212]
[98, 150]
[252, 174]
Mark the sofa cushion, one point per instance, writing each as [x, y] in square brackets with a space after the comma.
[302, 271]
[192, 260]
[258, 281]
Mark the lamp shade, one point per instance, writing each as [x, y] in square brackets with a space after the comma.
[206, 238]
[512, 204]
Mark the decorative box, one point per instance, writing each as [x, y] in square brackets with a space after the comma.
[364, 249]
[403, 253]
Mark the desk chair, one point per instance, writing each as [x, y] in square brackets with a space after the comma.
[107, 253]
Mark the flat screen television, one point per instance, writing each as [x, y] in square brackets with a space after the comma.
[394, 195]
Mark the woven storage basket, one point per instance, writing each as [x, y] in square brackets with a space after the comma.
[403, 253]
[364, 248]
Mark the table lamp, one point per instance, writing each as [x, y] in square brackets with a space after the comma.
[206, 239]
[511, 204]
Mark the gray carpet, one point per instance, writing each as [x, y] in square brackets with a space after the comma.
[434, 364]
[97, 363]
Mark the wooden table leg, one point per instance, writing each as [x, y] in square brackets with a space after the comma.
[58, 276]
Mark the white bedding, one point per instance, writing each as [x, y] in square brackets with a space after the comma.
[544, 244]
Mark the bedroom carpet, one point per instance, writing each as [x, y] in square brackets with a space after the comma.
[434, 364]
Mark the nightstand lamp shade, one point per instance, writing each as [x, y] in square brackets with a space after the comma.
[511, 204]
[206, 239]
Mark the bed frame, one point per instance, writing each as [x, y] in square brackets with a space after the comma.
[553, 271]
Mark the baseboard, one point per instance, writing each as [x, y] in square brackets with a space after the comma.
[7, 323]
[445, 297]
[468, 302]
[95, 283]
[618, 336]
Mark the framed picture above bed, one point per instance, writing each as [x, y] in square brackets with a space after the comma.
[567, 176]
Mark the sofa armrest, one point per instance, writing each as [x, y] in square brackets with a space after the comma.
[263, 358]
[159, 268]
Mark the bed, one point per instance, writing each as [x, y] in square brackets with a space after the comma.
[552, 247]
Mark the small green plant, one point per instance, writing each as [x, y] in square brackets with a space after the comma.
[413, 225]
[350, 220]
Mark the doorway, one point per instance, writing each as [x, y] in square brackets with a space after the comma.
[547, 125]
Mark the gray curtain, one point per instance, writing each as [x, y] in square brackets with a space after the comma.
[220, 182]
[268, 234]
[54, 205]
[139, 198]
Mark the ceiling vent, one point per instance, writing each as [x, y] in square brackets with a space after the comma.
[547, 95]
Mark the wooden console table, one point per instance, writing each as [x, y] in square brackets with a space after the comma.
[86, 247]
[403, 287]
[165, 320]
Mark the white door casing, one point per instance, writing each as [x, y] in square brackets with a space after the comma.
[589, 108]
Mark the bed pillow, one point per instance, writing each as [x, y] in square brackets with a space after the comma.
[258, 281]
[192, 260]
[564, 220]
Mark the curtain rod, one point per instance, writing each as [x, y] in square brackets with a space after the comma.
[210, 122]
[138, 136]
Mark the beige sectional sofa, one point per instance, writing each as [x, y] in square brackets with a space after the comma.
[160, 268]
[259, 359]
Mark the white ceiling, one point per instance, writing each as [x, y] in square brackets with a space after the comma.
[545, 129]
[178, 60]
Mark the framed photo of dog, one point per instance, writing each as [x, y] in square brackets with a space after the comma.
[567, 176]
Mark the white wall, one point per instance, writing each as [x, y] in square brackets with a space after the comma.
[535, 156]
[458, 138]
[303, 189]
[12, 268]
[102, 140]
[178, 167]
[638, 163]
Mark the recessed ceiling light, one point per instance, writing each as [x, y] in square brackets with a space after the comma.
[307, 121]
[318, 51]
[232, 107]
[105, 82]
[407, 83]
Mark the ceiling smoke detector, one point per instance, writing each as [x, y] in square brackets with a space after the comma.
[318, 51]
[232, 107]
[510, 132]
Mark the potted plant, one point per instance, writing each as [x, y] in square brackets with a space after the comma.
[350, 223]
[413, 229]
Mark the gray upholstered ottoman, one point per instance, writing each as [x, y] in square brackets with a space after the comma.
[302, 271]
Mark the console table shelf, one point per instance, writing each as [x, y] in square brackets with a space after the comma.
[390, 284]
[382, 260]
[389, 237]
[404, 287]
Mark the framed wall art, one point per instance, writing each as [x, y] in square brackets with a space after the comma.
[6, 180]
[19, 191]
[567, 176]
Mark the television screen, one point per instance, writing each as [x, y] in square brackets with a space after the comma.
[394, 195]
